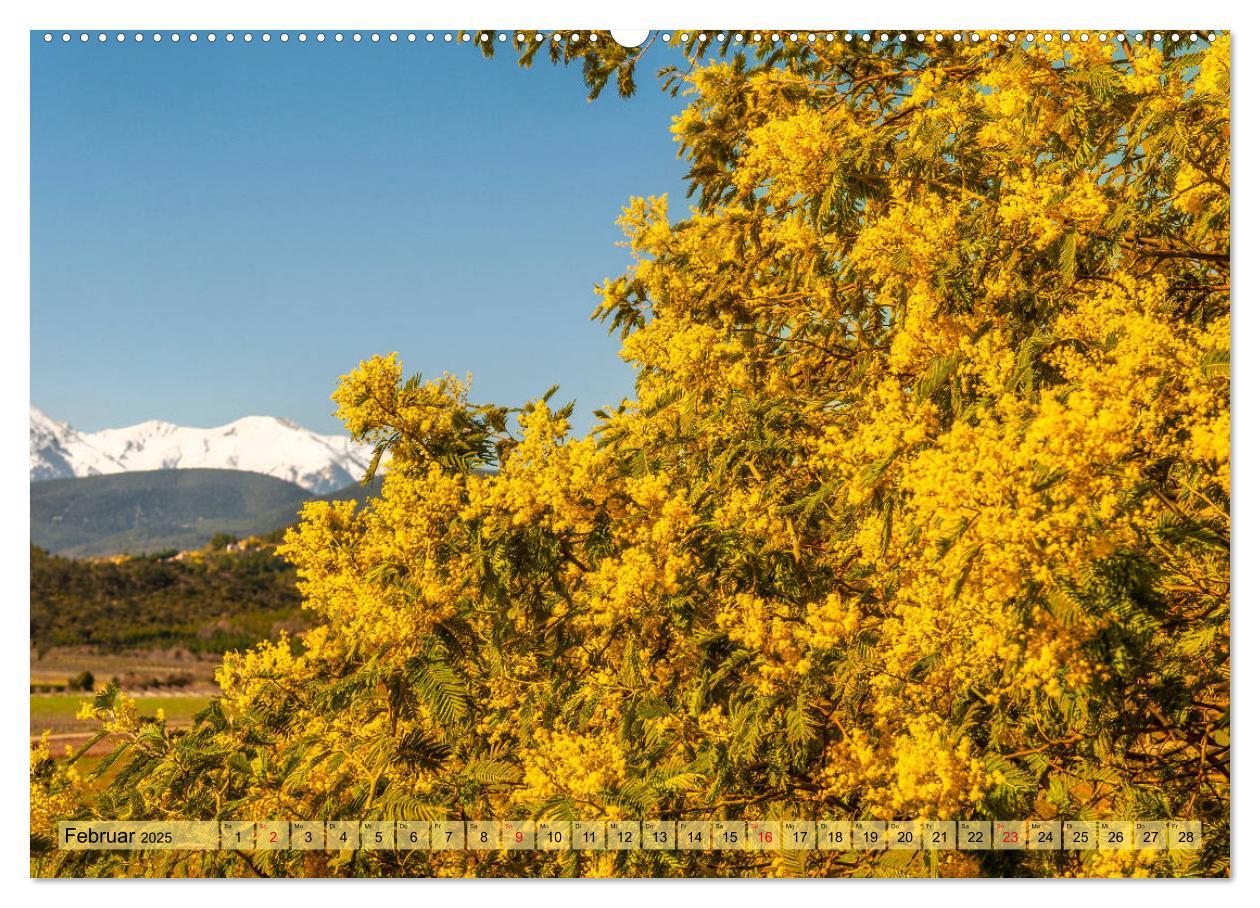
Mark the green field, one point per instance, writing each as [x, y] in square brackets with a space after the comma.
[55, 713]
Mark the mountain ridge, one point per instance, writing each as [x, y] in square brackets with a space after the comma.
[266, 445]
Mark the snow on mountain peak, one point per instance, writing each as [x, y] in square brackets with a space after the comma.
[259, 444]
[41, 419]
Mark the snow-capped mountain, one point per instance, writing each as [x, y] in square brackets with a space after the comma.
[259, 444]
[59, 451]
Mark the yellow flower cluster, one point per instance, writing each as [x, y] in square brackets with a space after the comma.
[918, 773]
[585, 767]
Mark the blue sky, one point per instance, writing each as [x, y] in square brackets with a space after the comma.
[221, 230]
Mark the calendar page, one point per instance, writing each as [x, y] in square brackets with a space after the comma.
[756, 451]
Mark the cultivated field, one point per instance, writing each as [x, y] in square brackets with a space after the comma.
[177, 682]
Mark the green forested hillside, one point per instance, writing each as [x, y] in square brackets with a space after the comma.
[212, 602]
[157, 509]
